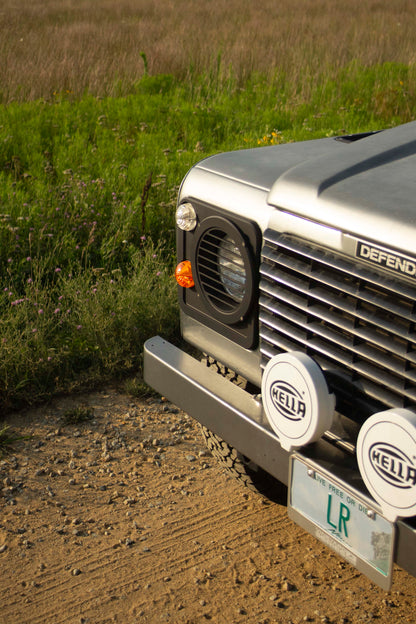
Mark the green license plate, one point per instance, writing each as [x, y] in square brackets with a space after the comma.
[341, 518]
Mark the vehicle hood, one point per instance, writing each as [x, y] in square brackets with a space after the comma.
[365, 187]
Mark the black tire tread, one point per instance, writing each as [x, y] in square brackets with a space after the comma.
[235, 463]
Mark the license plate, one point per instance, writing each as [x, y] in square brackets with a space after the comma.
[343, 519]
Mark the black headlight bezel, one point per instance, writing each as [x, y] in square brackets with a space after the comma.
[208, 301]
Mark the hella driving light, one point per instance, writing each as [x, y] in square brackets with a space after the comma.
[186, 217]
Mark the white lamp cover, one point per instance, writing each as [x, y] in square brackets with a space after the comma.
[386, 454]
[296, 399]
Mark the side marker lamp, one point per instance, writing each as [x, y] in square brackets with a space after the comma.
[186, 218]
[183, 274]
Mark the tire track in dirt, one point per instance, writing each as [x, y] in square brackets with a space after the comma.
[162, 561]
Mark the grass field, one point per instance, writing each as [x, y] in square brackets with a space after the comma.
[49, 46]
[106, 105]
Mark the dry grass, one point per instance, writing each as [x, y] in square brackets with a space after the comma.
[51, 46]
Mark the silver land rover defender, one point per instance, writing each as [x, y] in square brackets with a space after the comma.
[297, 272]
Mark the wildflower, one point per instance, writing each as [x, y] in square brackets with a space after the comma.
[49, 358]
[40, 311]
[34, 330]
[9, 260]
[29, 281]
[142, 238]
[29, 259]
[56, 311]
[57, 270]
[158, 273]
[79, 327]
[60, 297]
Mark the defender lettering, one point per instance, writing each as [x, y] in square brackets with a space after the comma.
[389, 260]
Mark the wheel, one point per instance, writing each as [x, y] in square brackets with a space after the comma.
[235, 463]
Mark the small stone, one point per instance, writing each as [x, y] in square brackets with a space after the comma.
[190, 458]
[75, 572]
[3, 548]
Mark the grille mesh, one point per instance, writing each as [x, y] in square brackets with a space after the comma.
[357, 323]
[211, 252]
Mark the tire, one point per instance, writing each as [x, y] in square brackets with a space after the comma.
[242, 468]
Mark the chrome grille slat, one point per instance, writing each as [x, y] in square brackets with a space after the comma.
[368, 333]
[372, 389]
[365, 367]
[327, 280]
[339, 263]
[351, 318]
[399, 328]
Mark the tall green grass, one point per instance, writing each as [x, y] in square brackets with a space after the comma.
[87, 197]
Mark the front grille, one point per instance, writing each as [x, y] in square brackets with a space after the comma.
[357, 323]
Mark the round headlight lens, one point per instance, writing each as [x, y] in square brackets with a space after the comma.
[231, 269]
[186, 219]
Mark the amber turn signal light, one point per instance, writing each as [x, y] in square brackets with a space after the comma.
[183, 274]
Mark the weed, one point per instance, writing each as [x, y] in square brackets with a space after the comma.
[77, 415]
[7, 439]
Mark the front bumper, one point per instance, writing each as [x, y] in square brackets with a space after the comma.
[237, 417]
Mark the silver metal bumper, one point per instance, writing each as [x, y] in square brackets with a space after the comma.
[237, 417]
[223, 407]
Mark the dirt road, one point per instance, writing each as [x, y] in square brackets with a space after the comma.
[113, 511]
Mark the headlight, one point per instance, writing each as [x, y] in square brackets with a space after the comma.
[231, 270]
[223, 270]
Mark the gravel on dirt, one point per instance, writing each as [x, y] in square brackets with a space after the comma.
[112, 510]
